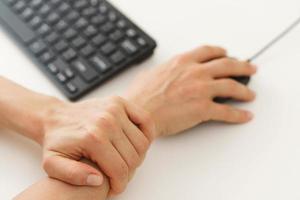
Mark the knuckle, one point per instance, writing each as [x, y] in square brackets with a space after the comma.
[46, 164]
[227, 61]
[114, 109]
[180, 59]
[148, 122]
[122, 172]
[211, 49]
[133, 163]
[107, 121]
[143, 146]
[202, 105]
[231, 84]
[117, 99]
[94, 136]
[71, 174]
[226, 112]
[207, 48]
[202, 88]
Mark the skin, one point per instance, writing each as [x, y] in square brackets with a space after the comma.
[112, 132]
[189, 81]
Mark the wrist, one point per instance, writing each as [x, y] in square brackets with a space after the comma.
[40, 115]
[150, 110]
[28, 116]
[24, 111]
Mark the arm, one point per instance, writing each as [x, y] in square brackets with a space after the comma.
[52, 189]
[113, 133]
[22, 110]
[179, 97]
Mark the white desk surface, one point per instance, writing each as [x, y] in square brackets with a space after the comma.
[258, 161]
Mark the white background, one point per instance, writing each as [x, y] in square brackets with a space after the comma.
[258, 161]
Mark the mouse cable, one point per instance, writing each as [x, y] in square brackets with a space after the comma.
[275, 40]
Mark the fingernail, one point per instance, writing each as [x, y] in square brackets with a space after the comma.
[254, 67]
[250, 115]
[254, 94]
[94, 180]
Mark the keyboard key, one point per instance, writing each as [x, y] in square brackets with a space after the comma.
[116, 35]
[72, 16]
[35, 4]
[47, 57]
[80, 4]
[52, 68]
[117, 57]
[99, 39]
[101, 63]
[129, 47]
[141, 42]
[61, 26]
[20, 6]
[61, 77]
[131, 33]
[69, 73]
[121, 24]
[58, 65]
[70, 34]
[79, 42]
[64, 8]
[94, 3]
[69, 55]
[112, 16]
[53, 18]
[61, 46]
[103, 8]
[55, 3]
[27, 14]
[87, 50]
[81, 23]
[90, 31]
[107, 28]
[35, 22]
[43, 29]
[99, 19]
[88, 12]
[86, 71]
[71, 87]
[52, 38]
[108, 48]
[44, 10]
[38, 47]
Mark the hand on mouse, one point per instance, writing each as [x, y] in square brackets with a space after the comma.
[113, 133]
[179, 94]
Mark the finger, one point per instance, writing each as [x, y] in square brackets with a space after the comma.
[228, 88]
[227, 67]
[141, 119]
[136, 137]
[72, 172]
[230, 114]
[127, 151]
[111, 163]
[207, 53]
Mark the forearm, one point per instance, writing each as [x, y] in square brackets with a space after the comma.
[22, 110]
[52, 189]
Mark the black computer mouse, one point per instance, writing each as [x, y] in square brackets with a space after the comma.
[242, 79]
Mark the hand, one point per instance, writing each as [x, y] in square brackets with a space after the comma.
[179, 94]
[113, 133]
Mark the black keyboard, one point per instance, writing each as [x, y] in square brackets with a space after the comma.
[78, 44]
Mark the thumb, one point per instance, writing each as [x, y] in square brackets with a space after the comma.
[72, 171]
